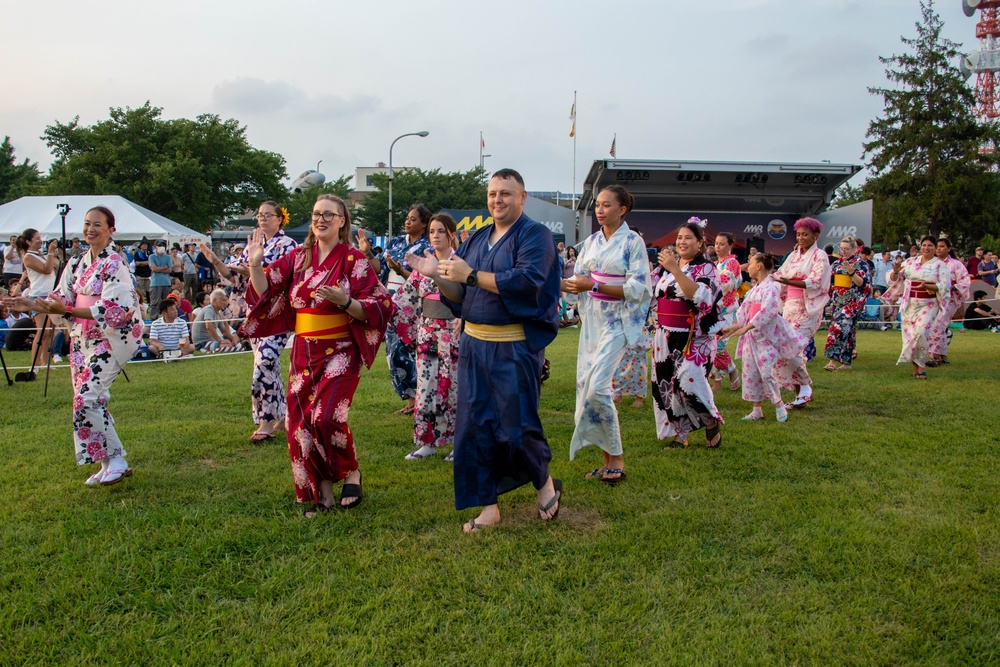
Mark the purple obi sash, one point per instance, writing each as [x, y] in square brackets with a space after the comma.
[674, 313]
[606, 279]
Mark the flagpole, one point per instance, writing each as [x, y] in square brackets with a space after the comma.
[573, 193]
[480, 149]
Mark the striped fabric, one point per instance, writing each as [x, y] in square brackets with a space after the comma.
[169, 335]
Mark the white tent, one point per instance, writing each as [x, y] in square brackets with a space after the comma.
[132, 222]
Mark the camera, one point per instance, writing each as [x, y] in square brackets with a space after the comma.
[63, 209]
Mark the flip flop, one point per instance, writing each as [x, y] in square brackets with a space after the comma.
[451, 456]
[122, 474]
[613, 480]
[830, 367]
[753, 417]
[351, 491]
[316, 509]
[554, 501]
[407, 410]
[415, 455]
[596, 472]
[259, 437]
[710, 433]
[676, 444]
[95, 479]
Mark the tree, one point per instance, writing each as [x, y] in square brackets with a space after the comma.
[846, 195]
[929, 175]
[433, 189]
[16, 180]
[300, 204]
[194, 172]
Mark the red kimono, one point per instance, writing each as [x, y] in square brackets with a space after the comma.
[327, 353]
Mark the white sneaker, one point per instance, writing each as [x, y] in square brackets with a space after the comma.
[57, 359]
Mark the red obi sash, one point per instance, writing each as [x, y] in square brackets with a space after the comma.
[606, 279]
[918, 291]
[674, 313]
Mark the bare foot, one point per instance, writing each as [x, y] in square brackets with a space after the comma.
[490, 516]
[638, 403]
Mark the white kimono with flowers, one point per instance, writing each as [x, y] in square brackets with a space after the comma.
[917, 313]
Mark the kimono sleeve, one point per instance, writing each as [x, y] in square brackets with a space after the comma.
[114, 309]
[408, 310]
[375, 300]
[819, 273]
[730, 276]
[770, 307]
[522, 288]
[271, 312]
[942, 279]
[637, 287]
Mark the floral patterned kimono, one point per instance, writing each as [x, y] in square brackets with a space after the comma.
[848, 301]
[803, 308]
[683, 352]
[771, 339]
[267, 392]
[918, 308]
[424, 322]
[398, 355]
[959, 294]
[730, 277]
[327, 352]
[607, 326]
[100, 347]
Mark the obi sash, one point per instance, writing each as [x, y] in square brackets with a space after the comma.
[916, 290]
[606, 279]
[752, 310]
[394, 282]
[674, 313]
[87, 301]
[796, 293]
[321, 324]
[507, 333]
[840, 280]
[433, 309]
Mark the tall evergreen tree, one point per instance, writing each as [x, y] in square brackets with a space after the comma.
[928, 174]
[16, 180]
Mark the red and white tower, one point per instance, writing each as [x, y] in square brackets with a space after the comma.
[985, 62]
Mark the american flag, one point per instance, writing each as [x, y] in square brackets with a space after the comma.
[613, 141]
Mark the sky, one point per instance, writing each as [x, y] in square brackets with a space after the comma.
[743, 80]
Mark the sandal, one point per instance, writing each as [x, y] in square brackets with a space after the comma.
[351, 491]
[832, 366]
[95, 479]
[676, 444]
[553, 501]
[613, 480]
[315, 510]
[711, 433]
[596, 472]
[735, 384]
[922, 375]
[451, 456]
[122, 474]
[406, 410]
[415, 455]
[259, 437]
[754, 417]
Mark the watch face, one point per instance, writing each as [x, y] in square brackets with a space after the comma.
[472, 279]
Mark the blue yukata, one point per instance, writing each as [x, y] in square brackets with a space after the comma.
[402, 367]
[607, 325]
[499, 442]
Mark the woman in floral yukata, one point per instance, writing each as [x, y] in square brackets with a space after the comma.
[96, 297]
[687, 314]
[806, 275]
[328, 293]
[764, 338]
[851, 282]
[423, 322]
[730, 277]
[954, 302]
[267, 391]
[922, 283]
[611, 278]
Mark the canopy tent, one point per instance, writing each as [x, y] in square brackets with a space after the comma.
[132, 222]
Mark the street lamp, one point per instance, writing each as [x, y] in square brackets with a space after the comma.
[422, 133]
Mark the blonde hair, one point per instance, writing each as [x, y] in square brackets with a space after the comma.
[345, 231]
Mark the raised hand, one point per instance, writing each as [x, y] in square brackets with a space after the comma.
[255, 247]
[206, 250]
[363, 244]
[426, 265]
[667, 260]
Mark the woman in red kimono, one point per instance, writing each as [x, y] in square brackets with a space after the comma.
[327, 293]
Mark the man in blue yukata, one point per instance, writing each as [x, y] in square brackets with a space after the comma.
[504, 281]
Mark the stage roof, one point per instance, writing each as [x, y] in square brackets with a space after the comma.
[706, 187]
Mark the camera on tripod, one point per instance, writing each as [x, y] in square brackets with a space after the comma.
[63, 209]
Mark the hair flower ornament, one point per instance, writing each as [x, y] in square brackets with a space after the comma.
[698, 221]
[285, 218]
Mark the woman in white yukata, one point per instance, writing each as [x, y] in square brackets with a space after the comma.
[806, 274]
[612, 281]
[95, 296]
[764, 338]
[952, 303]
[922, 283]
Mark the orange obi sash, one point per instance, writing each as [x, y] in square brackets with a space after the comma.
[842, 280]
[495, 333]
[674, 313]
[322, 324]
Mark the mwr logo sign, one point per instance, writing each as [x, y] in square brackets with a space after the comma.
[840, 231]
[777, 229]
[753, 229]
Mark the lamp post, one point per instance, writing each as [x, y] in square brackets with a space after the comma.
[422, 133]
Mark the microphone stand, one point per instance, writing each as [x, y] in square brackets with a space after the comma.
[64, 210]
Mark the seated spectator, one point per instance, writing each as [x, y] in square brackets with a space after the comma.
[168, 336]
[3, 324]
[184, 307]
[210, 332]
[979, 316]
[20, 335]
[200, 301]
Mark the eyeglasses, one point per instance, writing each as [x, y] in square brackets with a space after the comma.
[328, 216]
[266, 216]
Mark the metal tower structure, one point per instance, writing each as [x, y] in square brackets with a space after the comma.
[984, 63]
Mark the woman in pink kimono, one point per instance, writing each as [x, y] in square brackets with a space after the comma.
[806, 276]
[940, 338]
[423, 323]
[730, 277]
[95, 296]
[922, 283]
[765, 338]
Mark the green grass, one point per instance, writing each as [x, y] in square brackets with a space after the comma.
[862, 532]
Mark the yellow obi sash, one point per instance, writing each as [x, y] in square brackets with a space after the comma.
[507, 333]
[842, 280]
[318, 323]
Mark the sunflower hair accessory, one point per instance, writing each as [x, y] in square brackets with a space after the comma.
[285, 218]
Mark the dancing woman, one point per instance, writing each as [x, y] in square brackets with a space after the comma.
[806, 275]
[267, 391]
[684, 345]
[96, 297]
[327, 292]
[730, 277]
[764, 338]
[423, 322]
[922, 283]
[848, 292]
[612, 281]
[940, 337]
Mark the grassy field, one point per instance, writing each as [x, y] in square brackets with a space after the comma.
[862, 532]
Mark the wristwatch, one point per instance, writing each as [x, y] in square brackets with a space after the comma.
[473, 278]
